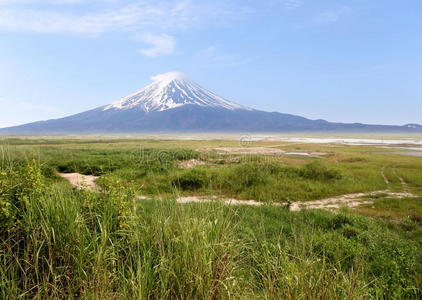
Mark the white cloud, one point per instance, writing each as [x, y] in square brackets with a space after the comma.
[215, 57]
[292, 4]
[159, 14]
[331, 16]
[130, 17]
[161, 44]
[95, 17]
[288, 5]
[53, 2]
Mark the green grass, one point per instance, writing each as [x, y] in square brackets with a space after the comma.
[64, 243]
[150, 168]
[155, 171]
[57, 242]
[395, 208]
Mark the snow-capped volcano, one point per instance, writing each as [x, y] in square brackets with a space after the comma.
[171, 90]
[174, 103]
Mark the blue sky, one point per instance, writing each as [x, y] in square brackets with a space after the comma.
[349, 61]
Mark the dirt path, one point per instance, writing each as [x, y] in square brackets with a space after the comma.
[385, 177]
[81, 181]
[402, 181]
[333, 203]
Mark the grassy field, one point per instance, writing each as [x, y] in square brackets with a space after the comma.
[59, 242]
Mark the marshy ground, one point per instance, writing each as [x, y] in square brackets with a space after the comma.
[148, 219]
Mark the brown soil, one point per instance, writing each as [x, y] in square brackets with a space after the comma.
[81, 181]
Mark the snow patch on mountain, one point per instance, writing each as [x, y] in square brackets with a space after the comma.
[171, 90]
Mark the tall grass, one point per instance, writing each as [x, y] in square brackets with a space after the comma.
[57, 242]
[62, 243]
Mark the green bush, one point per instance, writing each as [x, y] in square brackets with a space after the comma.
[317, 171]
[6, 209]
[190, 180]
[18, 187]
[251, 174]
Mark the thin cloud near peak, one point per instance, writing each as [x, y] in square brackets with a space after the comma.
[161, 44]
[331, 15]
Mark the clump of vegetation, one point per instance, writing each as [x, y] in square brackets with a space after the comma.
[190, 180]
[354, 159]
[18, 185]
[317, 171]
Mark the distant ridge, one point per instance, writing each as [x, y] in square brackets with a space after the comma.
[174, 103]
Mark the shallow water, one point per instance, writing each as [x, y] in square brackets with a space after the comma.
[297, 153]
[409, 148]
[351, 141]
[408, 153]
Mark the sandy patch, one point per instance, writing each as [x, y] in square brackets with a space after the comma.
[190, 164]
[81, 181]
[208, 199]
[348, 200]
[270, 150]
[333, 203]
[228, 201]
[244, 150]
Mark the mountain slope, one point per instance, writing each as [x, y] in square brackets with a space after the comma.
[174, 103]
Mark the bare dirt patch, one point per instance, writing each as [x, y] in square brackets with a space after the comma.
[81, 181]
[333, 203]
[348, 200]
[244, 150]
[190, 164]
[208, 199]
[228, 201]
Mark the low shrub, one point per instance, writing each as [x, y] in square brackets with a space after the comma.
[190, 180]
[318, 171]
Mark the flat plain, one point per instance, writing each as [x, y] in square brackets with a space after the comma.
[212, 218]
